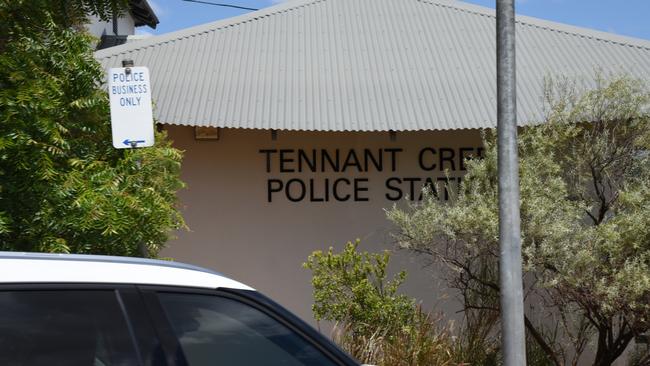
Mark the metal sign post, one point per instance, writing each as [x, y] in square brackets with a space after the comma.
[510, 268]
[131, 113]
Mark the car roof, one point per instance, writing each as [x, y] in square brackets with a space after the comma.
[77, 268]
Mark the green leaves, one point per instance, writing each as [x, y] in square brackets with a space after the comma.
[585, 211]
[27, 17]
[352, 288]
[375, 323]
[64, 188]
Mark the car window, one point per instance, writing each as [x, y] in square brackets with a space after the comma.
[215, 331]
[71, 328]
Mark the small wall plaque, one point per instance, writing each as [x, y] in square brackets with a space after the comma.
[206, 133]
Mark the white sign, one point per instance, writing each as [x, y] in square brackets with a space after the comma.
[131, 115]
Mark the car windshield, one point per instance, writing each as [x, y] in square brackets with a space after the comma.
[214, 330]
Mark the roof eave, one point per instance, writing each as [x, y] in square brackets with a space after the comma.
[143, 13]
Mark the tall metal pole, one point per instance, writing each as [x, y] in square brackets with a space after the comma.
[512, 303]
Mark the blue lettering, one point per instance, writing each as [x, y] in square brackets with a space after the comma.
[137, 76]
[129, 89]
[130, 101]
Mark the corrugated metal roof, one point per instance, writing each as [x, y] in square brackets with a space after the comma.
[364, 65]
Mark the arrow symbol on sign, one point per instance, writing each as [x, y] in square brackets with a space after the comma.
[128, 142]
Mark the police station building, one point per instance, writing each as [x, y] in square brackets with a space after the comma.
[302, 122]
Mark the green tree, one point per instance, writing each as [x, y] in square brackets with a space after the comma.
[63, 187]
[22, 17]
[585, 210]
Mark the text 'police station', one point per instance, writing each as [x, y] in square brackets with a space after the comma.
[130, 91]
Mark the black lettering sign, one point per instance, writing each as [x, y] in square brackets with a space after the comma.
[352, 161]
[303, 158]
[393, 157]
[299, 186]
[424, 154]
[393, 185]
[336, 191]
[359, 188]
[268, 158]
[353, 165]
[447, 155]
[334, 164]
[285, 161]
[377, 160]
[273, 186]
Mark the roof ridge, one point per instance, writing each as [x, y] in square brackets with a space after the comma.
[206, 27]
[544, 24]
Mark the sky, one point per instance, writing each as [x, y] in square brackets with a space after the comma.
[624, 17]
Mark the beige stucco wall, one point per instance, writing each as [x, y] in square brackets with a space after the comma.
[235, 230]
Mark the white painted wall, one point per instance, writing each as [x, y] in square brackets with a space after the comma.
[236, 231]
[125, 26]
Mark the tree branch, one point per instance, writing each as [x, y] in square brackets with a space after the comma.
[541, 341]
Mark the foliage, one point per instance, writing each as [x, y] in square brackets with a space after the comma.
[375, 323]
[22, 17]
[585, 211]
[63, 187]
[425, 342]
[476, 344]
[640, 355]
[352, 288]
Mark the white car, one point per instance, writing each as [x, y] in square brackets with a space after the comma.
[78, 310]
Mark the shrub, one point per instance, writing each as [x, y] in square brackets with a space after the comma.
[374, 323]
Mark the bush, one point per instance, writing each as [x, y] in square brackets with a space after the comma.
[374, 323]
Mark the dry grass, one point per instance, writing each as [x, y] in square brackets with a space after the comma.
[425, 342]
